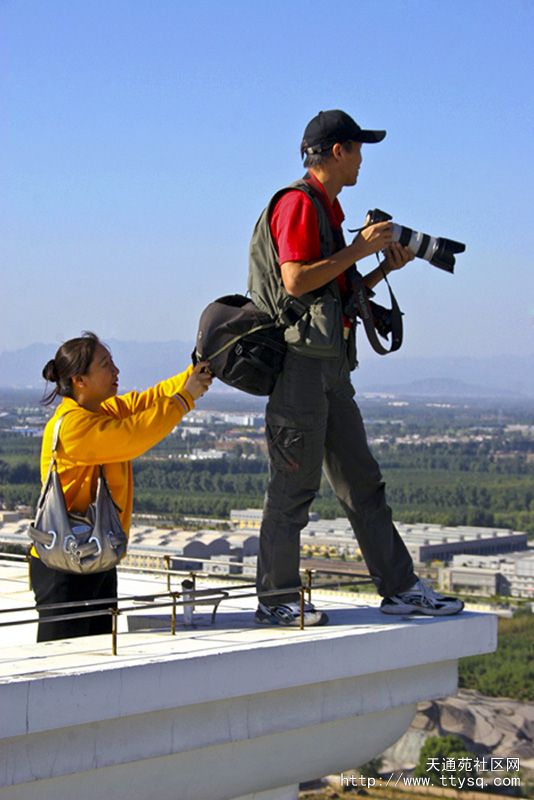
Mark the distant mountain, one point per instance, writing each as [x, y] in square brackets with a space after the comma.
[144, 363]
[445, 388]
[141, 364]
[497, 376]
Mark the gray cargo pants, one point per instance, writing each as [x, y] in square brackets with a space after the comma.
[313, 422]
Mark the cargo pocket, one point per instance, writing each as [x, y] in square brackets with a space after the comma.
[286, 447]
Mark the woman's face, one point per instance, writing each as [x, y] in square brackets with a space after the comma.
[100, 381]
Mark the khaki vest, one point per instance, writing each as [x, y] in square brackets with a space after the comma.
[318, 333]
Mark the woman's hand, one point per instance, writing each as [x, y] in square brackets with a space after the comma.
[199, 381]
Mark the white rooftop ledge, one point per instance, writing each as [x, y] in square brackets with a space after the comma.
[226, 712]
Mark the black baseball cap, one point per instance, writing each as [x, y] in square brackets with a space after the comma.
[329, 127]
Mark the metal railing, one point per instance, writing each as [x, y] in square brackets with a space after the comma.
[187, 598]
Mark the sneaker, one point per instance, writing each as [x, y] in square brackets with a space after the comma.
[289, 614]
[421, 599]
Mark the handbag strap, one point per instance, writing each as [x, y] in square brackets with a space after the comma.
[53, 462]
[55, 441]
[55, 434]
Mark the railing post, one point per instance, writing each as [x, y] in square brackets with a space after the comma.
[173, 615]
[167, 560]
[114, 628]
[309, 584]
[28, 559]
[193, 577]
[302, 590]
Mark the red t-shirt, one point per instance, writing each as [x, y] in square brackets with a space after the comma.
[295, 228]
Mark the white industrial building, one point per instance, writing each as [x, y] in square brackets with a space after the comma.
[425, 542]
[493, 561]
[511, 574]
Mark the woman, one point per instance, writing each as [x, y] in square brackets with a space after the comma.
[100, 427]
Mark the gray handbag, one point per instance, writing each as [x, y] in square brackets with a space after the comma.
[72, 542]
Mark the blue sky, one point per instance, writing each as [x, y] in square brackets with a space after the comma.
[140, 140]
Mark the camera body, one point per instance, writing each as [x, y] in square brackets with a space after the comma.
[438, 251]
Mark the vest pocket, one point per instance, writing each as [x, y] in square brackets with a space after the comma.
[319, 332]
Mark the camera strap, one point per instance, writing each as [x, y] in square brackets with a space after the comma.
[364, 310]
[373, 316]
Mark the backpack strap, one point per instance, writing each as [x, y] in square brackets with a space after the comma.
[233, 341]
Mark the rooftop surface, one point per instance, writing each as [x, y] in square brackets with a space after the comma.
[145, 634]
[258, 709]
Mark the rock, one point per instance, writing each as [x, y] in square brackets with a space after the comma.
[489, 726]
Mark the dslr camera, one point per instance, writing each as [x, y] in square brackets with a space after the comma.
[438, 251]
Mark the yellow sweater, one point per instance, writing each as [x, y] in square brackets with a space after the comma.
[123, 428]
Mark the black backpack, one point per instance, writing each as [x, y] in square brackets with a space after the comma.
[245, 347]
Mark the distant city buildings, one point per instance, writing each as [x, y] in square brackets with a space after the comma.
[25, 421]
[425, 542]
[441, 543]
[511, 574]
[480, 561]
[483, 561]
[26, 430]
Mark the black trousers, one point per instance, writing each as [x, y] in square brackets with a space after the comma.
[312, 422]
[53, 586]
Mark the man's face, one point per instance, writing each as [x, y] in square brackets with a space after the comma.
[351, 161]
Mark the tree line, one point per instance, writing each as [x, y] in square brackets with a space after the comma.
[509, 672]
[439, 486]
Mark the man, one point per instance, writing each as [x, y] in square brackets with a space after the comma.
[301, 271]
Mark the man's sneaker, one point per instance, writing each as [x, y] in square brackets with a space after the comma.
[421, 599]
[289, 614]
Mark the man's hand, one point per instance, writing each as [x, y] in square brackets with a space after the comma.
[300, 277]
[397, 256]
[199, 381]
[372, 239]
